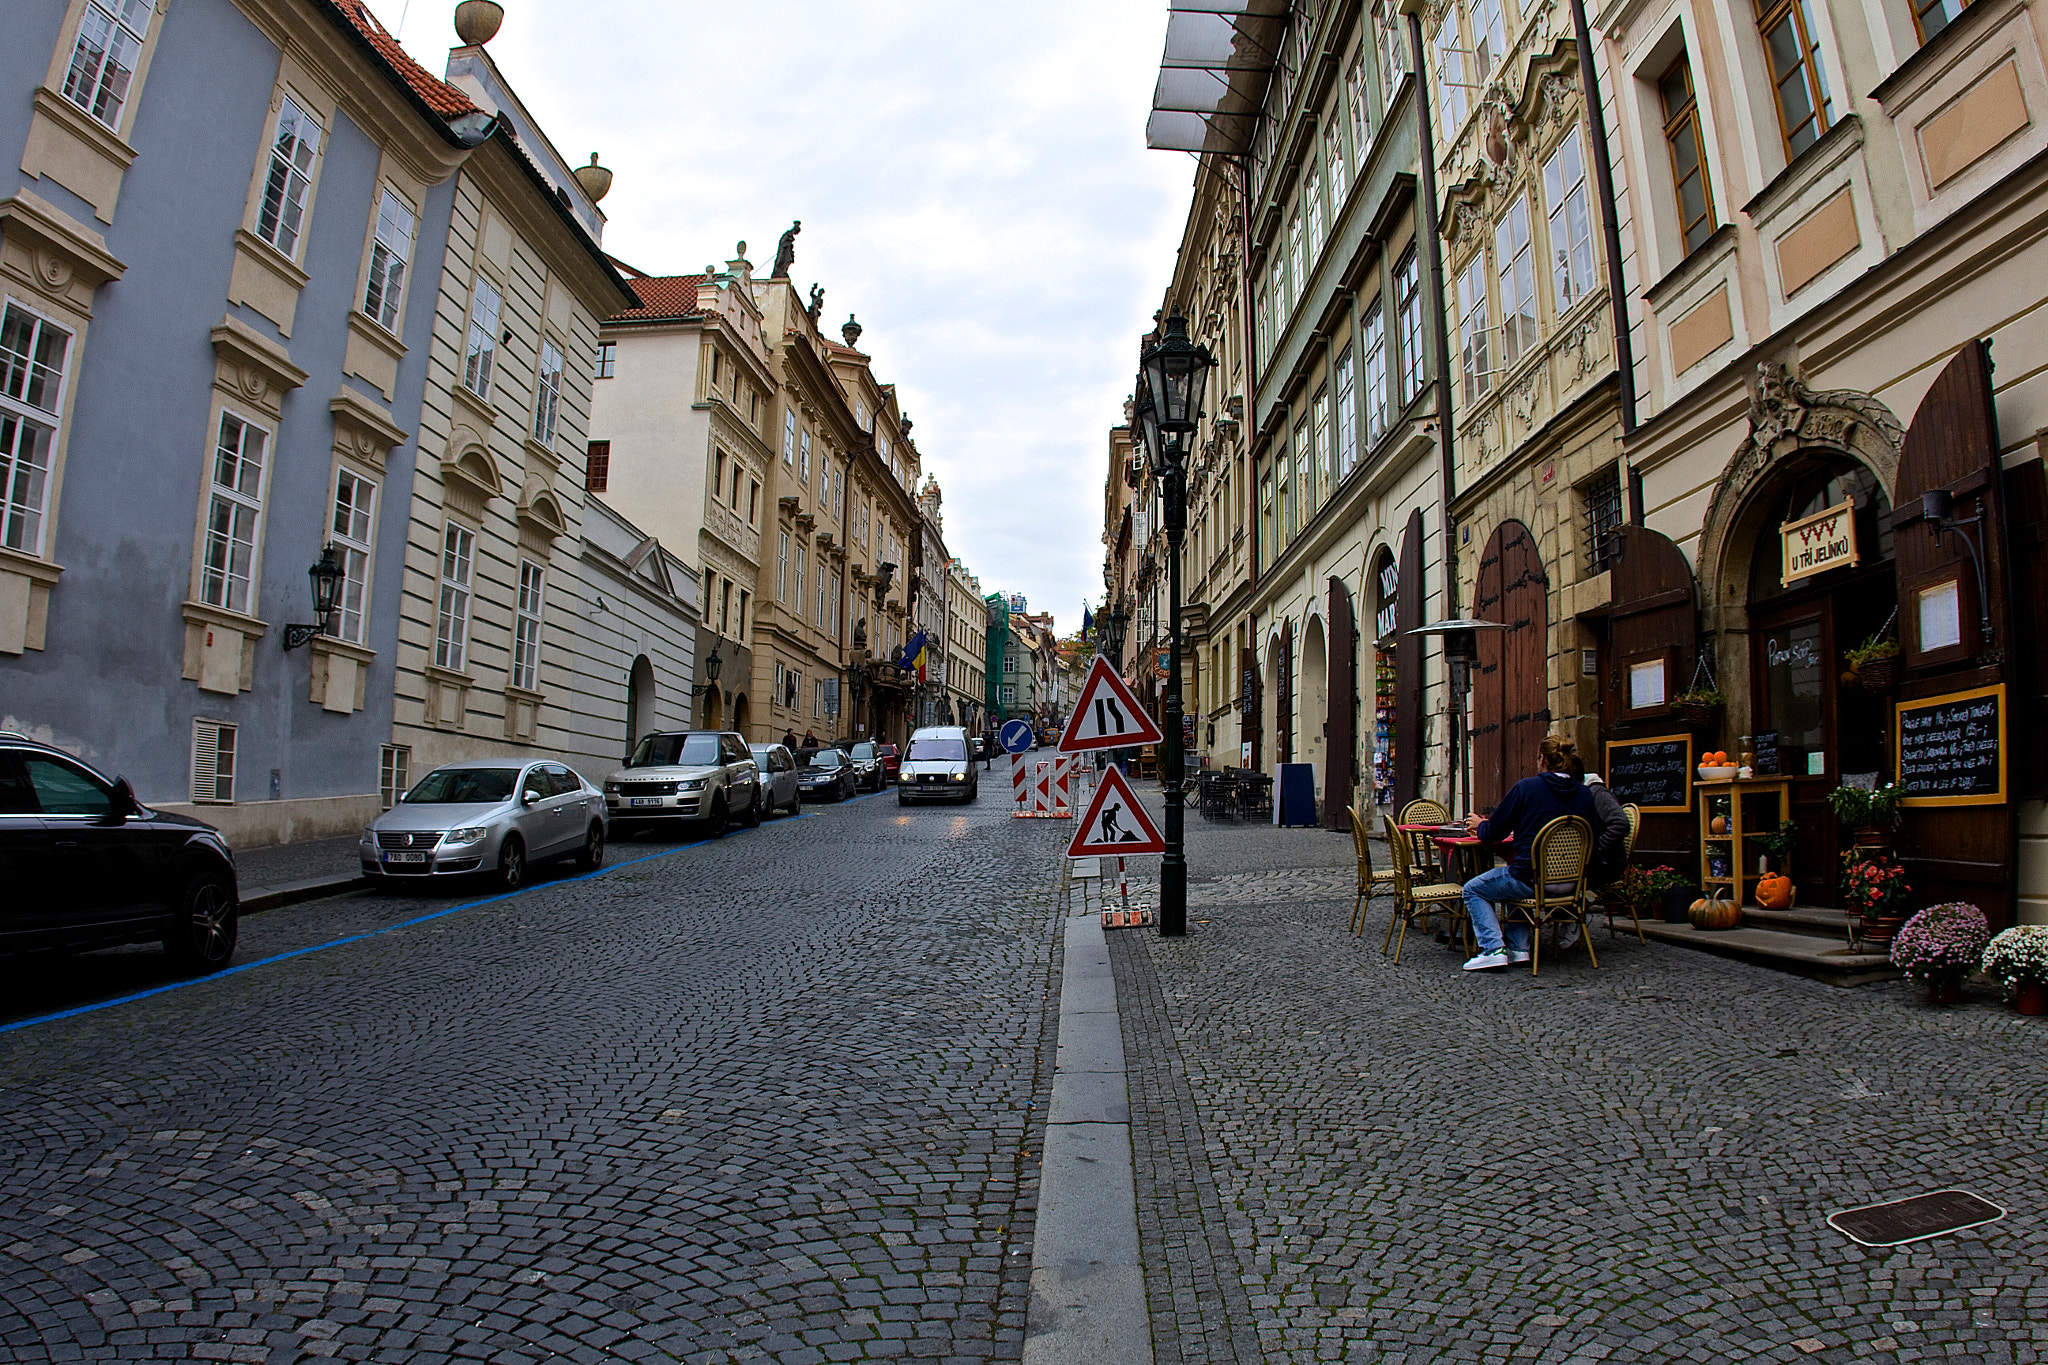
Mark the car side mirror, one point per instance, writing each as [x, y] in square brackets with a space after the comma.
[529, 798]
[124, 806]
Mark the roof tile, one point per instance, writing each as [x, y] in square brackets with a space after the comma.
[663, 296]
[443, 98]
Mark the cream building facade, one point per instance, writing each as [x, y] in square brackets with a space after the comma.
[966, 647]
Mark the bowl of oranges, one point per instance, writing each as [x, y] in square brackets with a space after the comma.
[1715, 766]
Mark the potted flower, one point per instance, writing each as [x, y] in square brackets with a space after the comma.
[1701, 706]
[1875, 889]
[1657, 893]
[2019, 957]
[1873, 665]
[1940, 946]
[1872, 812]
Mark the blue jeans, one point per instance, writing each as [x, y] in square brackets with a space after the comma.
[1499, 884]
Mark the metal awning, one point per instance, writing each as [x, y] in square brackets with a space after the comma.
[1220, 56]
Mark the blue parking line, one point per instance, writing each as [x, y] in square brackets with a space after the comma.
[369, 934]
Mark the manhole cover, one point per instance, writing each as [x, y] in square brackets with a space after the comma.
[1915, 1219]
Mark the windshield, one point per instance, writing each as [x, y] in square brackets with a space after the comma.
[935, 751]
[822, 758]
[864, 751]
[676, 751]
[463, 786]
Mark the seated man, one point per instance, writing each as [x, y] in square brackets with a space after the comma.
[1529, 805]
[1610, 840]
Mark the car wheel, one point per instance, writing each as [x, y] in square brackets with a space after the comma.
[511, 871]
[718, 817]
[592, 856]
[202, 937]
[796, 803]
[967, 799]
[753, 820]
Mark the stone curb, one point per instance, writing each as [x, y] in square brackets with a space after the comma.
[1087, 1287]
[257, 899]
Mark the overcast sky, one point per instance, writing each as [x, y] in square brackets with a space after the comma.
[973, 183]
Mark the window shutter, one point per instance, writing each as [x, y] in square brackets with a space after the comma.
[213, 762]
[1653, 613]
[1408, 651]
[1340, 745]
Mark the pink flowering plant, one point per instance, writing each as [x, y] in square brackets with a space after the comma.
[1875, 883]
[1942, 944]
[2019, 955]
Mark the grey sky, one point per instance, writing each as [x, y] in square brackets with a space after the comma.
[973, 183]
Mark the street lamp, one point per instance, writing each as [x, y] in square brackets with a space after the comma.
[1114, 622]
[327, 575]
[1169, 407]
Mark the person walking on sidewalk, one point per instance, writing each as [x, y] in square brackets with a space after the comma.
[1529, 805]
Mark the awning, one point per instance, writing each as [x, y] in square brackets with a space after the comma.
[1220, 56]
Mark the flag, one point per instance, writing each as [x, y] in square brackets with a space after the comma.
[1087, 620]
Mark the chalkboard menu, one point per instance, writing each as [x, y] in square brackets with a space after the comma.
[1767, 754]
[1655, 773]
[1951, 749]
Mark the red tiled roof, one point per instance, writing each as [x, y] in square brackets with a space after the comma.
[439, 96]
[663, 296]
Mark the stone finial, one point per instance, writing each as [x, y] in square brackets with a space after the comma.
[904, 425]
[851, 331]
[595, 179]
[477, 21]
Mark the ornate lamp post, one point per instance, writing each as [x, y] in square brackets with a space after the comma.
[327, 577]
[712, 666]
[1115, 621]
[1175, 370]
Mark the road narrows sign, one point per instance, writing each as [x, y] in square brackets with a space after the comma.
[1107, 715]
[1115, 823]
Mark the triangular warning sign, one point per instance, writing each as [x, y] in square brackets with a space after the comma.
[1107, 716]
[1115, 823]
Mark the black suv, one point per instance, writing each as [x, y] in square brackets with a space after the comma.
[86, 865]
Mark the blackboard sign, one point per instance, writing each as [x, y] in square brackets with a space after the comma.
[1951, 749]
[1766, 754]
[1654, 773]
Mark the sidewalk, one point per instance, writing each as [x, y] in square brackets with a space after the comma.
[285, 874]
[1340, 1159]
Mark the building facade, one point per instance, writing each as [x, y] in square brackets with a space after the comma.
[966, 648]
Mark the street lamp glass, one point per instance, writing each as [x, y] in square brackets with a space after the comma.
[1148, 433]
[713, 664]
[327, 576]
[1176, 371]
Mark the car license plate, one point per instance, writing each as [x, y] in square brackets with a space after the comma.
[405, 857]
[646, 800]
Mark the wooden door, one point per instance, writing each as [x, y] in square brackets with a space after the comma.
[1283, 698]
[1408, 712]
[1794, 697]
[1511, 687]
[1249, 700]
[1340, 747]
[1653, 615]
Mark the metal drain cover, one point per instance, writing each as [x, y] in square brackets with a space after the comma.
[1915, 1219]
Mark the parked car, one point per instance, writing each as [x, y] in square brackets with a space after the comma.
[776, 767]
[494, 818]
[936, 767]
[866, 757]
[892, 763]
[977, 748]
[86, 865]
[824, 772]
[707, 775]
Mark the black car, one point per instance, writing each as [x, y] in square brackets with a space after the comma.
[866, 757]
[86, 865]
[824, 772]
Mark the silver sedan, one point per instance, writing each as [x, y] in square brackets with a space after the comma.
[491, 817]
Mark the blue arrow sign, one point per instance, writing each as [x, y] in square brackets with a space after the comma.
[1016, 736]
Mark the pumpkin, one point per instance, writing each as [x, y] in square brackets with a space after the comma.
[1774, 892]
[1715, 912]
[1719, 824]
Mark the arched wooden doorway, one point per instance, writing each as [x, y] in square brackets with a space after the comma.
[1315, 700]
[640, 690]
[1511, 689]
[741, 713]
[1384, 735]
[1408, 713]
[1340, 746]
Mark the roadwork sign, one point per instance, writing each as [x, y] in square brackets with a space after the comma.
[1115, 822]
[1107, 716]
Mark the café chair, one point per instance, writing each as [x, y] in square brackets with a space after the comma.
[1423, 811]
[1559, 858]
[1610, 895]
[1417, 905]
[1370, 882]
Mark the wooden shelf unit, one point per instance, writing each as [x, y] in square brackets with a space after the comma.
[1741, 865]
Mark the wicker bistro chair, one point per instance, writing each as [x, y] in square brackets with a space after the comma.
[1610, 896]
[1423, 811]
[1370, 882]
[1416, 904]
[1558, 859]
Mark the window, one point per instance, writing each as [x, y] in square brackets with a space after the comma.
[798, 600]
[1408, 311]
[607, 360]
[1512, 256]
[1289, 491]
[715, 359]
[597, 467]
[1393, 40]
[1602, 498]
[526, 627]
[1263, 313]
[823, 587]
[110, 38]
[1374, 327]
[482, 353]
[1318, 215]
[1347, 413]
[1009, 694]
[1450, 76]
[451, 628]
[1805, 108]
[717, 474]
[1361, 117]
[1474, 352]
[1320, 445]
[1297, 253]
[745, 599]
[32, 356]
[1932, 16]
[725, 607]
[213, 763]
[753, 501]
[803, 469]
[548, 399]
[1688, 155]
[355, 506]
[291, 176]
[389, 252]
[1571, 222]
[789, 437]
[1489, 38]
[1333, 156]
[234, 514]
[394, 773]
[782, 570]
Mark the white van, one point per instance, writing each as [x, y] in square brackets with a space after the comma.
[937, 767]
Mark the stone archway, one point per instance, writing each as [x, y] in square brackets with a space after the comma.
[640, 701]
[1270, 697]
[1313, 684]
[741, 714]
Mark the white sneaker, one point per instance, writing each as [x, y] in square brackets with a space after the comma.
[1516, 957]
[1567, 937]
[1486, 962]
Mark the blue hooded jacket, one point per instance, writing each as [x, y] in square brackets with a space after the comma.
[1531, 804]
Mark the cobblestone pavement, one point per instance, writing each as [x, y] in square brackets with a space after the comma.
[771, 1098]
[295, 862]
[1340, 1159]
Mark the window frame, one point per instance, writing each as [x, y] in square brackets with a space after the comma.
[234, 498]
[1515, 275]
[1567, 260]
[528, 606]
[597, 466]
[1453, 104]
[1770, 14]
[456, 599]
[1373, 371]
[305, 176]
[357, 548]
[27, 414]
[1408, 318]
[387, 275]
[1474, 349]
[1921, 9]
[66, 69]
[480, 359]
[547, 392]
[606, 365]
[1344, 382]
[1674, 123]
[221, 730]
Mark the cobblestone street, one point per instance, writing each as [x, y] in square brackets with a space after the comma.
[1338, 1158]
[763, 1098]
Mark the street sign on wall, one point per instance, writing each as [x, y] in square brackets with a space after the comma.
[1107, 715]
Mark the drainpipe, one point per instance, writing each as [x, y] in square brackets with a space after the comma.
[1434, 284]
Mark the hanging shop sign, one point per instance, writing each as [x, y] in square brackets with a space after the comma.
[1826, 540]
[1387, 621]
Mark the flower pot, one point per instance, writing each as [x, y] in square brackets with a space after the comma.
[2030, 997]
[1944, 990]
[1874, 839]
[1698, 715]
[1678, 902]
[1876, 932]
[1875, 675]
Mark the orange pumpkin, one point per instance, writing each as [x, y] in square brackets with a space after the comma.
[1715, 913]
[1774, 892]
